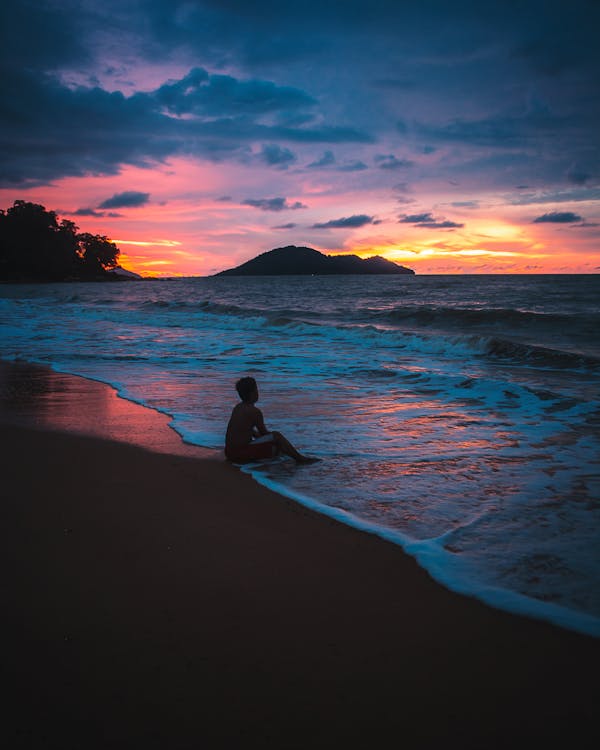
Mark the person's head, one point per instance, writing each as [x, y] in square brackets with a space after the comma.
[247, 390]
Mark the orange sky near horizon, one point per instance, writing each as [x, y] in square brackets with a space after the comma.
[187, 230]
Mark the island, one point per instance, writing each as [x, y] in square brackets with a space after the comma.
[292, 260]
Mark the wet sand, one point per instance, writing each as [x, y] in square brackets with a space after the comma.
[156, 596]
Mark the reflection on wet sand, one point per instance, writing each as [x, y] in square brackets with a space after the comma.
[39, 397]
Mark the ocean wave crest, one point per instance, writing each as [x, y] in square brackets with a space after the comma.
[452, 317]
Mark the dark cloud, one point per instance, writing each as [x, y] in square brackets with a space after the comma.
[578, 177]
[537, 36]
[127, 199]
[416, 218]
[272, 73]
[352, 166]
[497, 131]
[443, 224]
[273, 204]
[427, 221]
[327, 160]
[318, 134]
[49, 130]
[93, 213]
[38, 35]
[558, 217]
[276, 156]
[389, 161]
[204, 94]
[285, 226]
[556, 196]
[528, 133]
[349, 222]
[86, 212]
[395, 84]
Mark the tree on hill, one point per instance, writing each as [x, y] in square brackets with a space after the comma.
[292, 260]
[36, 246]
[97, 252]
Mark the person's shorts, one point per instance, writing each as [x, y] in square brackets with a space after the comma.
[262, 447]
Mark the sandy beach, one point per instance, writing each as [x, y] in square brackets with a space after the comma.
[156, 596]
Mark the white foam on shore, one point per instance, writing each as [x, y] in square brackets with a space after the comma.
[438, 563]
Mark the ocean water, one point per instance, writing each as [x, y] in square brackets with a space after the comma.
[457, 416]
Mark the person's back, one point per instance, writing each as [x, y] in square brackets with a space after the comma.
[247, 438]
[243, 420]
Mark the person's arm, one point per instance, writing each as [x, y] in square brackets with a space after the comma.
[259, 423]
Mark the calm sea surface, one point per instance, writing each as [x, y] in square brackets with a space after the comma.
[458, 416]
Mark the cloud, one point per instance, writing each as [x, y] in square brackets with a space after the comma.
[352, 166]
[322, 134]
[389, 161]
[358, 220]
[86, 212]
[558, 217]
[500, 130]
[556, 196]
[285, 226]
[201, 93]
[50, 130]
[394, 83]
[327, 160]
[415, 218]
[413, 40]
[40, 36]
[578, 176]
[273, 204]
[444, 224]
[427, 221]
[82, 91]
[127, 199]
[275, 156]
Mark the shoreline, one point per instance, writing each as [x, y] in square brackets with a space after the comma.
[503, 600]
[168, 598]
[66, 406]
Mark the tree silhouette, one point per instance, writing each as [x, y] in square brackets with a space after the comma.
[35, 246]
[97, 252]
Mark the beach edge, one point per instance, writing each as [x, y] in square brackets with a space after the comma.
[285, 626]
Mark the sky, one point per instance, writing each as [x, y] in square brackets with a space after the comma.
[450, 137]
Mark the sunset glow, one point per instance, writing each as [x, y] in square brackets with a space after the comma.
[213, 149]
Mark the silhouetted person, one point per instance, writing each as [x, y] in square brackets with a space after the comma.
[247, 437]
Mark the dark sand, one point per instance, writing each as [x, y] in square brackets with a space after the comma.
[168, 601]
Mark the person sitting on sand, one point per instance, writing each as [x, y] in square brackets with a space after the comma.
[247, 438]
